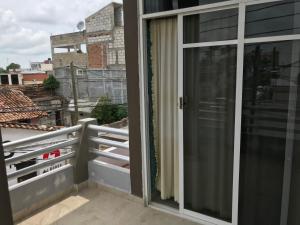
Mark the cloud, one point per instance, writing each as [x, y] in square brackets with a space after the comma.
[26, 26]
[18, 40]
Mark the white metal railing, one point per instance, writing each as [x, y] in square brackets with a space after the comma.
[91, 143]
[11, 146]
[101, 141]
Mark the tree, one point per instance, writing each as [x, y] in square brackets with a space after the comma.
[51, 83]
[13, 66]
[105, 112]
[2, 70]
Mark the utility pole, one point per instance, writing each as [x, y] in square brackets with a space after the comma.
[75, 96]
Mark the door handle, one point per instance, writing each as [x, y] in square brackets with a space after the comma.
[182, 103]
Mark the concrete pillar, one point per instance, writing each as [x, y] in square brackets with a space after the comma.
[81, 173]
[20, 77]
[5, 206]
[9, 79]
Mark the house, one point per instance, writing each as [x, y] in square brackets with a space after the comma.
[213, 94]
[17, 107]
[45, 66]
[53, 105]
[99, 47]
[33, 77]
[13, 77]
[98, 54]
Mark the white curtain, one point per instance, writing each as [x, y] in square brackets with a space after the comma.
[164, 96]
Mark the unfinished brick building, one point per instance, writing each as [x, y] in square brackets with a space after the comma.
[67, 48]
[100, 46]
[105, 38]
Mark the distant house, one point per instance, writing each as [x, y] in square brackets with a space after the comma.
[31, 77]
[45, 66]
[13, 77]
[17, 107]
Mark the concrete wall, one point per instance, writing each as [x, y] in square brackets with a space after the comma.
[65, 59]
[103, 20]
[31, 195]
[110, 175]
[68, 42]
[94, 84]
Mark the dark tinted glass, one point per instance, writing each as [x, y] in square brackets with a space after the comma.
[151, 6]
[191, 3]
[209, 90]
[212, 26]
[279, 18]
[268, 117]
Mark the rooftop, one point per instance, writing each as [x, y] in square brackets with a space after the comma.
[14, 106]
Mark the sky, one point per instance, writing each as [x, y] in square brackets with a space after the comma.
[26, 26]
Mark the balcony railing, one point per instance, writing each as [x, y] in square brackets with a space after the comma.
[79, 163]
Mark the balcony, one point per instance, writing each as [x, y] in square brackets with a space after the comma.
[90, 185]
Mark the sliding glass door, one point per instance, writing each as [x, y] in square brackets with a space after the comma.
[209, 92]
[227, 150]
[240, 114]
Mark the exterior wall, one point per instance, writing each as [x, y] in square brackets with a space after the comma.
[116, 51]
[97, 55]
[94, 84]
[46, 67]
[65, 59]
[20, 78]
[68, 41]
[102, 20]
[38, 78]
[105, 29]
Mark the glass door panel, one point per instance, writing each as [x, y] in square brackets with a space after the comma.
[269, 181]
[208, 123]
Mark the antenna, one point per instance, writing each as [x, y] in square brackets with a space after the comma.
[80, 26]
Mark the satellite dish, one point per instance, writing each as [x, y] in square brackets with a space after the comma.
[80, 25]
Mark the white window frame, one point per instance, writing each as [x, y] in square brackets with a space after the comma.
[144, 108]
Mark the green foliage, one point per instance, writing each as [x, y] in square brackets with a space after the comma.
[51, 83]
[2, 70]
[13, 66]
[105, 112]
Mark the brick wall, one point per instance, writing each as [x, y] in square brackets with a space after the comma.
[97, 56]
[105, 28]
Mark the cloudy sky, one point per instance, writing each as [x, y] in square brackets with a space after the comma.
[26, 26]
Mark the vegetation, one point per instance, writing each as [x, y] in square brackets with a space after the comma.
[105, 112]
[13, 66]
[51, 83]
[2, 70]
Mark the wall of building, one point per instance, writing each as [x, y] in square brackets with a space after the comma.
[103, 20]
[94, 84]
[10, 82]
[34, 78]
[72, 44]
[105, 38]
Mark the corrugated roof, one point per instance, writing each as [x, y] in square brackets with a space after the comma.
[14, 106]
